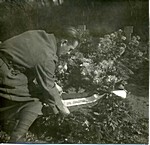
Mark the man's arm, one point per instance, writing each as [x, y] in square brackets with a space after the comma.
[45, 78]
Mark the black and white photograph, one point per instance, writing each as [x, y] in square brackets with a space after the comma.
[74, 72]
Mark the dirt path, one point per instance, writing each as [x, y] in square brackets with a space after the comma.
[139, 99]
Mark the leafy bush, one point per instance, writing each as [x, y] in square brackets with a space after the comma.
[109, 121]
[101, 64]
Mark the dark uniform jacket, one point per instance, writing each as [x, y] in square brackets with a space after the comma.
[30, 55]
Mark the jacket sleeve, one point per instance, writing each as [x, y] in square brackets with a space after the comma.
[45, 78]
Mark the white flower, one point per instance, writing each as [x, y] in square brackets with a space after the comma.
[120, 30]
[65, 66]
[140, 53]
[123, 45]
[107, 36]
[101, 38]
[138, 37]
[111, 62]
[95, 72]
[60, 66]
[122, 50]
[96, 80]
[86, 123]
[99, 44]
[123, 38]
[109, 79]
[134, 38]
[83, 73]
[61, 71]
[85, 64]
[112, 35]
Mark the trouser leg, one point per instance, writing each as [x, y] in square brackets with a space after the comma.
[25, 119]
[23, 125]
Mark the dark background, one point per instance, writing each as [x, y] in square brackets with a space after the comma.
[99, 16]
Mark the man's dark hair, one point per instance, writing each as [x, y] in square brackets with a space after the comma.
[69, 33]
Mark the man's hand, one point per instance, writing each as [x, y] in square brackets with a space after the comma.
[65, 111]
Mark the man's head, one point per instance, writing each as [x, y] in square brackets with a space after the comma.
[67, 40]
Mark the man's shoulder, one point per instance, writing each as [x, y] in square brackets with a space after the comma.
[31, 34]
[32, 46]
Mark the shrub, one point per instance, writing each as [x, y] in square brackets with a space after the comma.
[101, 64]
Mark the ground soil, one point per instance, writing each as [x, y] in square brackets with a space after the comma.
[139, 101]
[138, 97]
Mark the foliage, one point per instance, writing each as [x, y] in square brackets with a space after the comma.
[109, 121]
[101, 64]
